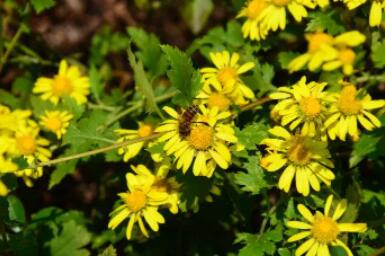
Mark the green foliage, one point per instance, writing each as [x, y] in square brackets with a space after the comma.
[15, 209]
[364, 146]
[328, 21]
[41, 5]
[251, 135]
[196, 13]
[253, 180]
[259, 245]
[378, 51]
[182, 75]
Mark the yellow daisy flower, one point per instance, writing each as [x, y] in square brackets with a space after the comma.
[375, 16]
[68, 82]
[273, 16]
[213, 97]
[252, 28]
[347, 110]
[303, 157]
[130, 151]
[303, 104]
[352, 4]
[13, 120]
[56, 122]
[320, 49]
[28, 175]
[205, 146]
[140, 201]
[322, 229]
[225, 77]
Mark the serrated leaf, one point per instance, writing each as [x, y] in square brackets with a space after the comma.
[41, 5]
[251, 135]
[15, 209]
[378, 54]
[62, 170]
[196, 14]
[363, 147]
[70, 241]
[328, 21]
[259, 245]
[9, 99]
[252, 180]
[182, 75]
[109, 251]
[143, 83]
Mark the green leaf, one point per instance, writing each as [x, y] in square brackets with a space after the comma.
[182, 75]
[251, 135]
[109, 251]
[150, 52]
[95, 83]
[15, 209]
[41, 5]
[259, 245]
[142, 82]
[196, 14]
[70, 241]
[378, 54]
[328, 21]
[62, 170]
[363, 147]
[285, 58]
[253, 180]
[9, 99]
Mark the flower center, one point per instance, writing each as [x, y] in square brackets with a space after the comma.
[226, 74]
[254, 8]
[347, 56]
[136, 200]
[145, 130]
[281, 2]
[348, 104]
[219, 100]
[26, 144]
[317, 40]
[310, 106]
[325, 229]
[201, 137]
[298, 153]
[61, 86]
[53, 123]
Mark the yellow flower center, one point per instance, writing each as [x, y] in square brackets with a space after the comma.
[26, 144]
[227, 74]
[53, 123]
[347, 56]
[136, 200]
[325, 229]
[317, 40]
[145, 130]
[281, 2]
[348, 104]
[310, 106]
[219, 100]
[201, 137]
[254, 8]
[61, 86]
[298, 153]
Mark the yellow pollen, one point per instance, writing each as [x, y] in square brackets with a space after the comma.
[26, 144]
[227, 74]
[53, 123]
[310, 106]
[145, 130]
[281, 2]
[219, 100]
[348, 104]
[61, 86]
[201, 137]
[318, 39]
[136, 200]
[325, 229]
[347, 56]
[298, 153]
[254, 8]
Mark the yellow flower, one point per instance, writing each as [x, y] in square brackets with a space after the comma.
[347, 110]
[303, 157]
[6, 166]
[205, 146]
[320, 49]
[251, 28]
[68, 82]
[213, 97]
[303, 104]
[273, 16]
[140, 201]
[28, 175]
[131, 150]
[13, 120]
[375, 16]
[322, 229]
[56, 122]
[352, 4]
[224, 78]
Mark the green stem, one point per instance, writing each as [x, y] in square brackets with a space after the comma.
[11, 46]
[271, 211]
[378, 252]
[365, 78]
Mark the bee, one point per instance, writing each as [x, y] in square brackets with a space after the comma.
[186, 119]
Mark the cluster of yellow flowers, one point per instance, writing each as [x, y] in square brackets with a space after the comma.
[20, 132]
[329, 52]
[263, 16]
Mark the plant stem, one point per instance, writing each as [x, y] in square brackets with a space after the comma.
[11, 46]
[378, 252]
[255, 103]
